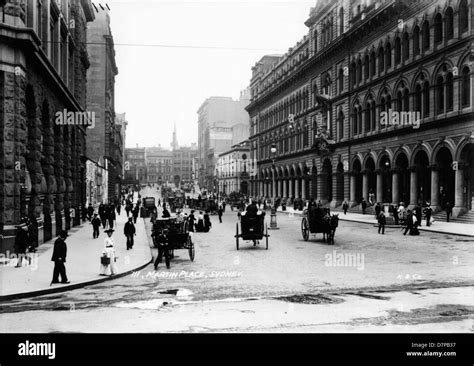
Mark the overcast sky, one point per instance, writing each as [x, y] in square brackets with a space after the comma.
[158, 87]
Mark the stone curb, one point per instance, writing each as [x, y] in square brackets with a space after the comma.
[52, 290]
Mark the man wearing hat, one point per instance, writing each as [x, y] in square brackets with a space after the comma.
[59, 258]
[130, 232]
[95, 226]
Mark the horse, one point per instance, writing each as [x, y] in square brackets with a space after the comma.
[330, 228]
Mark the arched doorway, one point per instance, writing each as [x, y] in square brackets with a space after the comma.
[313, 183]
[357, 180]
[467, 160]
[401, 165]
[424, 176]
[339, 183]
[444, 161]
[244, 187]
[371, 181]
[326, 189]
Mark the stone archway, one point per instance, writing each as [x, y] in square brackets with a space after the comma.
[326, 187]
[356, 182]
[401, 180]
[339, 191]
[423, 189]
[444, 161]
[369, 181]
[384, 188]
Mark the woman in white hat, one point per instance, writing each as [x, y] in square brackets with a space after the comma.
[108, 267]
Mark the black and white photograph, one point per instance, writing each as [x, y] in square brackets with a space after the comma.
[237, 166]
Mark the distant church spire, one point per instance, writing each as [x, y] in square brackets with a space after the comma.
[174, 144]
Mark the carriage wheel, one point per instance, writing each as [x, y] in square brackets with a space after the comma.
[305, 229]
[266, 237]
[237, 235]
[191, 249]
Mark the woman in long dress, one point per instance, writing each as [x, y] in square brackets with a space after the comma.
[109, 251]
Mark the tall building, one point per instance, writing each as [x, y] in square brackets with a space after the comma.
[222, 122]
[375, 100]
[135, 166]
[43, 65]
[104, 141]
[234, 169]
[183, 164]
[159, 163]
[121, 133]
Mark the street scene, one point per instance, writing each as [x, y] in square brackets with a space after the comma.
[310, 174]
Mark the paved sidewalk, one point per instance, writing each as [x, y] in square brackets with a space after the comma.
[82, 262]
[437, 227]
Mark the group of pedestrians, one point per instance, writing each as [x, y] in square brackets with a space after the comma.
[201, 223]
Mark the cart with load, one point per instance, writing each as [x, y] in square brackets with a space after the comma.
[318, 220]
[252, 227]
[170, 234]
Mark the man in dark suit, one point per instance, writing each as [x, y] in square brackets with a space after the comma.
[59, 258]
[252, 209]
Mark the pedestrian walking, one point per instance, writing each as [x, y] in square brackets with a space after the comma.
[200, 223]
[111, 216]
[219, 213]
[159, 202]
[364, 206]
[191, 220]
[103, 214]
[409, 222]
[95, 226]
[395, 214]
[428, 211]
[135, 212]
[382, 221]
[108, 266]
[207, 222]
[22, 242]
[378, 208]
[129, 231]
[59, 258]
[90, 212]
[449, 211]
[418, 214]
[118, 207]
[345, 206]
[165, 213]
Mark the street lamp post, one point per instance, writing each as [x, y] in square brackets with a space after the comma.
[273, 219]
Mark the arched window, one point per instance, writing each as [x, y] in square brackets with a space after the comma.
[448, 23]
[340, 122]
[359, 119]
[426, 35]
[388, 55]
[340, 81]
[406, 46]
[406, 100]
[416, 41]
[440, 94]
[381, 60]
[372, 63]
[426, 99]
[353, 74]
[315, 41]
[463, 16]
[355, 116]
[341, 21]
[449, 92]
[366, 67]
[373, 119]
[367, 115]
[418, 98]
[398, 50]
[438, 28]
[399, 101]
[465, 87]
[326, 84]
[359, 71]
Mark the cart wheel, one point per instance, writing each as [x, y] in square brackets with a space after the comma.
[237, 235]
[305, 229]
[191, 249]
[266, 237]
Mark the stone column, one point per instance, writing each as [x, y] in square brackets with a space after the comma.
[303, 189]
[352, 198]
[290, 188]
[365, 186]
[379, 193]
[413, 186]
[280, 193]
[435, 188]
[297, 188]
[260, 189]
[285, 191]
[347, 186]
[274, 193]
[459, 204]
[395, 186]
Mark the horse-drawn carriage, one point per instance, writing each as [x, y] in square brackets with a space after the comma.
[211, 206]
[148, 206]
[318, 220]
[169, 234]
[252, 227]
